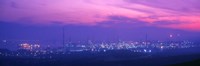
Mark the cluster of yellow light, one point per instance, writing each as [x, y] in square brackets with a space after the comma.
[29, 46]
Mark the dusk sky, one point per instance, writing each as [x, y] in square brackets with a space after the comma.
[99, 19]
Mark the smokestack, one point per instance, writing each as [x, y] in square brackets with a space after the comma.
[63, 36]
[146, 39]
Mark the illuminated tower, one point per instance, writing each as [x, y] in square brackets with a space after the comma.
[171, 38]
[178, 37]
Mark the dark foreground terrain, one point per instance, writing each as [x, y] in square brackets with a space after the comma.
[110, 58]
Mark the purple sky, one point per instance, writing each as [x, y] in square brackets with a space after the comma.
[120, 17]
[184, 13]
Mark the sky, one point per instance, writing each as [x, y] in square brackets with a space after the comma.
[99, 18]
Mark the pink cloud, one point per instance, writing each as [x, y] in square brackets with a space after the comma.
[92, 12]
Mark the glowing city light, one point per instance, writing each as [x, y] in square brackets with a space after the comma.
[170, 35]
